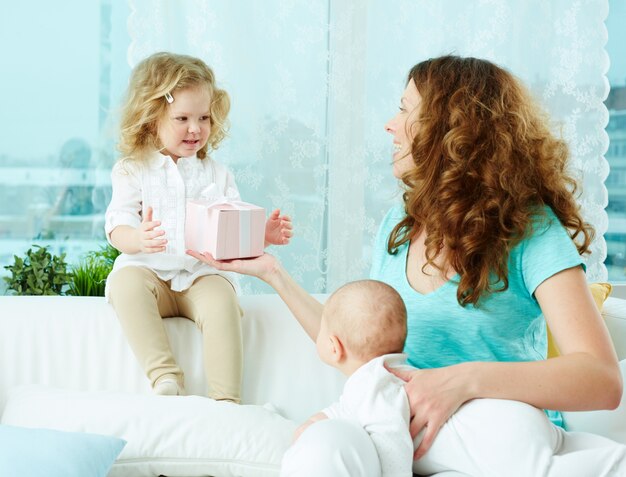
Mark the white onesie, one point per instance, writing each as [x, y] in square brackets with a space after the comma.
[375, 399]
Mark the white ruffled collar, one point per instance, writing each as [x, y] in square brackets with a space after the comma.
[157, 159]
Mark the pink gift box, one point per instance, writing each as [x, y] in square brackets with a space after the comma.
[225, 229]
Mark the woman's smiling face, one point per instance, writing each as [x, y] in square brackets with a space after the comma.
[402, 128]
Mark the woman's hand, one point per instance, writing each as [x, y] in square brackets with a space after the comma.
[434, 395]
[306, 309]
[261, 267]
[278, 229]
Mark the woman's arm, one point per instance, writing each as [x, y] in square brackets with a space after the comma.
[586, 376]
[306, 309]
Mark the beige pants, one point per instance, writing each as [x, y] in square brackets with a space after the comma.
[141, 301]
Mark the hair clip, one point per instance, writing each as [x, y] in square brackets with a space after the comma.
[169, 98]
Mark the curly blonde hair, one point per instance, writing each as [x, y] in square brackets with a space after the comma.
[485, 167]
[145, 102]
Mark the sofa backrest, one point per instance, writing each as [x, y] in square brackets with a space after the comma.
[76, 343]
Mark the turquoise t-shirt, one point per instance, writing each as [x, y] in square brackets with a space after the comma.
[507, 326]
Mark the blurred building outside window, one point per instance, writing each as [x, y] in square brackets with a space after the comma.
[616, 154]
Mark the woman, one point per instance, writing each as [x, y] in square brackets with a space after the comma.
[482, 251]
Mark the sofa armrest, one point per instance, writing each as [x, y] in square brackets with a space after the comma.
[614, 313]
[611, 424]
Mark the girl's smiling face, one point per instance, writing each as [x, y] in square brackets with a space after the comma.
[185, 127]
[402, 128]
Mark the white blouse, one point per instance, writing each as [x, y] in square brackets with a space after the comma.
[165, 185]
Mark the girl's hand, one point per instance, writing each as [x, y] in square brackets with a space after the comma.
[434, 395]
[278, 229]
[148, 240]
[261, 267]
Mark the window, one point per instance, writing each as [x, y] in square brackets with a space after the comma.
[67, 63]
[616, 154]
[309, 102]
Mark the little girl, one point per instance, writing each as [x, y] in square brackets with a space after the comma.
[173, 115]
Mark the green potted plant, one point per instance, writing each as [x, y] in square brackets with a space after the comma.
[89, 276]
[38, 273]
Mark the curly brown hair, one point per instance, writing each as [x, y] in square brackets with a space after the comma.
[485, 167]
[145, 102]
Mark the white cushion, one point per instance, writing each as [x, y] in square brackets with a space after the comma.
[611, 424]
[184, 436]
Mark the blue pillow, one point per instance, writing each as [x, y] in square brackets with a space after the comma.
[44, 452]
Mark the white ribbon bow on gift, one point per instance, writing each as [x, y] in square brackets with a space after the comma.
[214, 195]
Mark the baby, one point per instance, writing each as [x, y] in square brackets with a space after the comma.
[362, 333]
[363, 328]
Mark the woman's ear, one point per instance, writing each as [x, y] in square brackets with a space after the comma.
[338, 351]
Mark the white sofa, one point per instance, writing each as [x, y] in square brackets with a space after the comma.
[73, 357]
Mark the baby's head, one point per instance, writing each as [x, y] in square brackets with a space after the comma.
[173, 105]
[362, 320]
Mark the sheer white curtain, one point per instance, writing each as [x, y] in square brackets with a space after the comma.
[312, 84]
